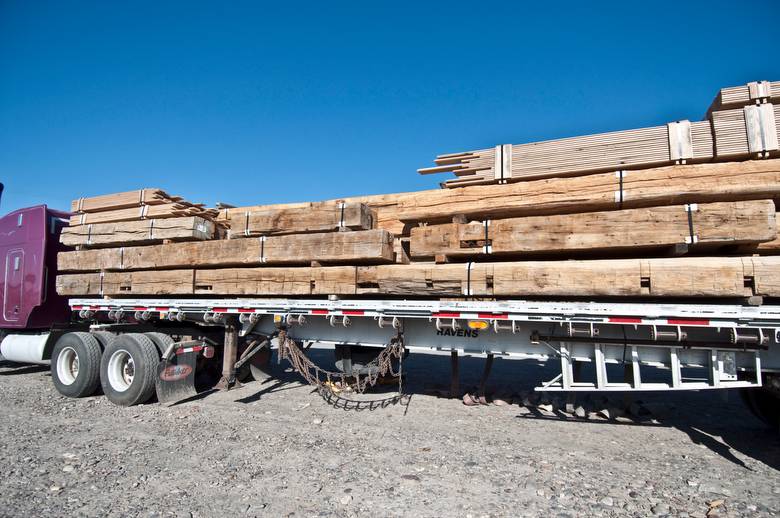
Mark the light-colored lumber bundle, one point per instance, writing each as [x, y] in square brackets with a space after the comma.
[311, 217]
[165, 210]
[671, 185]
[631, 230]
[678, 277]
[676, 142]
[135, 205]
[122, 200]
[139, 232]
[740, 124]
[755, 92]
[750, 131]
[359, 247]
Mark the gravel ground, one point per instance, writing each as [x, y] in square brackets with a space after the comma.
[276, 449]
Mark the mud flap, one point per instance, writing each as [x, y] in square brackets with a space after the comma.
[176, 377]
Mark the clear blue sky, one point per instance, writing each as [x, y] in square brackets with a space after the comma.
[254, 102]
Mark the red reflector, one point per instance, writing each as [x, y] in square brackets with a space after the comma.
[625, 320]
[319, 311]
[353, 312]
[162, 310]
[76, 307]
[139, 308]
[220, 310]
[246, 310]
[681, 322]
[492, 315]
[447, 315]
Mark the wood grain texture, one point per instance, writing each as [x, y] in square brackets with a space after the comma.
[673, 185]
[312, 217]
[366, 247]
[678, 277]
[635, 229]
[139, 232]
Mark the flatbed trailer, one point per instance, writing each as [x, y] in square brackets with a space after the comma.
[133, 347]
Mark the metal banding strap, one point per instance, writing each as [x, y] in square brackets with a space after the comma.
[619, 195]
[144, 209]
[82, 219]
[467, 289]
[121, 258]
[487, 248]
[690, 208]
[141, 196]
[101, 284]
[80, 205]
[262, 249]
[342, 206]
[89, 234]
[151, 228]
[246, 223]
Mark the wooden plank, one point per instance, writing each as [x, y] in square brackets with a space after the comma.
[120, 200]
[677, 277]
[277, 281]
[224, 281]
[359, 247]
[384, 207]
[635, 229]
[140, 232]
[313, 217]
[165, 210]
[672, 185]
[156, 282]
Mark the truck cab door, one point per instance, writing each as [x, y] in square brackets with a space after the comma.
[14, 284]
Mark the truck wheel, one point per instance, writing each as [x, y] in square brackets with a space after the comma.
[104, 338]
[75, 364]
[128, 369]
[161, 341]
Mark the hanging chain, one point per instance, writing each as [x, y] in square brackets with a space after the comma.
[330, 384]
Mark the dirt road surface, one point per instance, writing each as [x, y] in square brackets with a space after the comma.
[277, 449]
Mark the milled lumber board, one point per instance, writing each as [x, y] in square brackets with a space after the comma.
[315, 217]
[695, 183]
[120, 200]
[156, 282]
[710, 223]
[364, 247]
[677, 277]
[147, 231]
[166, 210]
[337, 280]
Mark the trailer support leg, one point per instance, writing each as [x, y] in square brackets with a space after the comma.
[455, 375]
[229, 357]
[483, 381]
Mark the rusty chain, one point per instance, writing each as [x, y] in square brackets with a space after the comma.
[325, 381]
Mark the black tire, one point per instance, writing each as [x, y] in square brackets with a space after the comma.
[75, 364]
[104, 338]
[128, 369]
[161, 341]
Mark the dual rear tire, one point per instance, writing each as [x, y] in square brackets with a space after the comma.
[125, 366]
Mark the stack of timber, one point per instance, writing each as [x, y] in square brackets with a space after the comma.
[135, 205]
[187, 255]
[742, 123]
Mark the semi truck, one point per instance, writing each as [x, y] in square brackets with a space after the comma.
[134, 348]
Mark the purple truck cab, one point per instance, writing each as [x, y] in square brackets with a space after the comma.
[29, 242]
